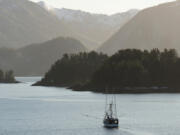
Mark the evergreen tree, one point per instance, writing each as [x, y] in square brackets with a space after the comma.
[7, 77]
[73, 69]
[1, 76]
[128, 68]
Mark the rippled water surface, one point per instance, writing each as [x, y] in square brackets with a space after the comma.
[27, 110]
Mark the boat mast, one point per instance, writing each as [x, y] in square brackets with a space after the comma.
[115, 109]
[110, 107]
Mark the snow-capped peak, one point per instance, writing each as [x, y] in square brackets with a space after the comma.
[45, 5]
[78, 16]
[81, 16]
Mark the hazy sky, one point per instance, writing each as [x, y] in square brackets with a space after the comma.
[104, 6]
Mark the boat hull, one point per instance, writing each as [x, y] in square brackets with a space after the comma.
[111, 125]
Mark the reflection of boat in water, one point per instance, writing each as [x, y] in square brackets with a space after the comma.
[110, 119]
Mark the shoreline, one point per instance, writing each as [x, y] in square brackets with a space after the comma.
[10, 82]
[121, 90]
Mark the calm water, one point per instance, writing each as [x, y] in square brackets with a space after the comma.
[26, 110]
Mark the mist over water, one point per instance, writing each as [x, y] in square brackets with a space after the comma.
[27, 110]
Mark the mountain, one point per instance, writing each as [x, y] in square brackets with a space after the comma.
[155, 27]
[24, 22]
[91, 29]
[36, 59]
[45, 5]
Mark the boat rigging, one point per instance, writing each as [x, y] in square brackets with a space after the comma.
[110, 118]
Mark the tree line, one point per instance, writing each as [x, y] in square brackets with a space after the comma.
[128, 70]
[7, 76]
[135, 68]
[73, 69]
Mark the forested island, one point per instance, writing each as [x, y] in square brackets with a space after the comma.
[127, 71]
[73, 69]
[7, 77]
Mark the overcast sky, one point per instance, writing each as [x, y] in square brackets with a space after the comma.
[104, 6]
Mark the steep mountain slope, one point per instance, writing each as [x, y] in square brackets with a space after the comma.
[36, 59]
[91, 29]
[23, 22]
[155, 27]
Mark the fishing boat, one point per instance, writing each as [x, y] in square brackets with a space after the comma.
[110, 118]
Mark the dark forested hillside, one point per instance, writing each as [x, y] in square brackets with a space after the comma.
[133, 70]
[127, 71]
[73, 69]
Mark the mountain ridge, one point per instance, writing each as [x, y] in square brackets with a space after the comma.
[154, 27]
[92, 29]
[36, 59]
[24, 22]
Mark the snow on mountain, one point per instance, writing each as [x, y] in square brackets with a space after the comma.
[81, 16]
[45, 5]
[91, 29]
